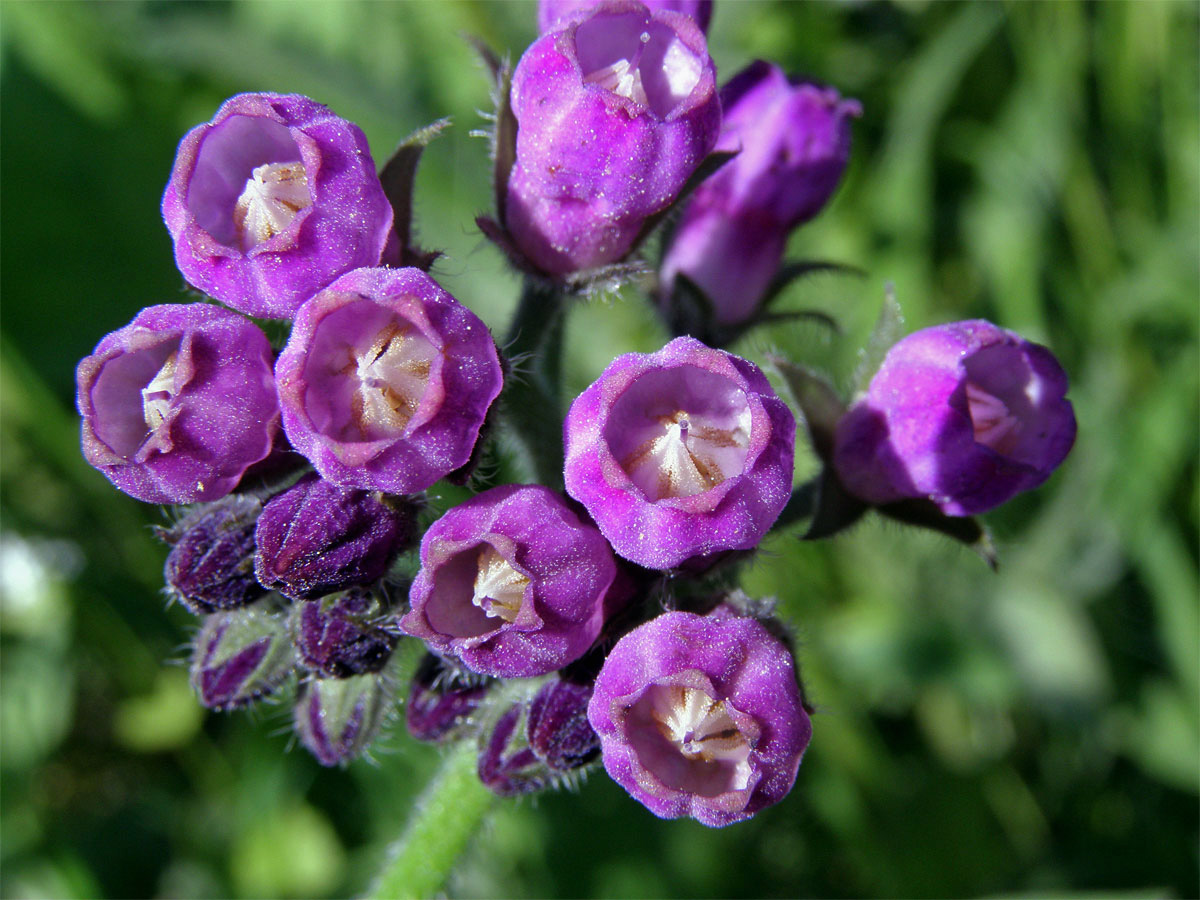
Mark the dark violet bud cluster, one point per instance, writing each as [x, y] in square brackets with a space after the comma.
[558, 628]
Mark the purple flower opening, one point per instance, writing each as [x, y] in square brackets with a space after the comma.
[615, 111]
[701, 716]
[272, 200]
[680, 454]
[386, 381]
[966, 415]
[179, 403]
[512, 582]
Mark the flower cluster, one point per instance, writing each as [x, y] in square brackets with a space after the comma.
[585, 608]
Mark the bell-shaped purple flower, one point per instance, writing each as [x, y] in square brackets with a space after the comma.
[701, 716]
[336, 719]
[316, 538]
[965, 414]
[614, 113]
[242, 654]
[793, 142]
[272, 200]
[386, 381]
[344, 634]
[513, 583]
[211, 563]
[553, 14]
[442, 699]
[178, 403]
[681, 453]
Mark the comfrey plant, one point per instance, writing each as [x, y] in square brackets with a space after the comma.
[581, 605]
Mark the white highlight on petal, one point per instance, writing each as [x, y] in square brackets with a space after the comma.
[273, 195]
[499, 588]
[158, 394]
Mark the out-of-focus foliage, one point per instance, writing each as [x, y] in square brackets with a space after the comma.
[1035, 731]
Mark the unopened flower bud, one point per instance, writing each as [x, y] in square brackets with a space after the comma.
[242, 654]
[966, 415]
[336, 719]
[344, 634]
[211, 563]
[557, 726]
[316, 538]
[507, 764]
[441, 700]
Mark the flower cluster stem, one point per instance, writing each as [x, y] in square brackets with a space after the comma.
[444, 819]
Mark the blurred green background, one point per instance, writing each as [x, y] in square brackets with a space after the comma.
[1035, 732]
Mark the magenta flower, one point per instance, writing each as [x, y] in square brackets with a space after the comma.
[386, 381]
[512, 582]
[553, 14]
[966, 415]
[316, 538]
[793, 142]
[681, 453]
[614, 113]
[178, 403]
[272, 200]
[701, 716]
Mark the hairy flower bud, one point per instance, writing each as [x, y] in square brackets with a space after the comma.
[242, 654]
[344, 634]
[272, 200]
[966, 415]
[553, 14]
[701, 716]
[178, 403]
[793, 142]
[386, 381]
[512, 582]
[211, 563]
[316, 538]
[614, 113]
[336, 719]
[681, 453]
[441, 700]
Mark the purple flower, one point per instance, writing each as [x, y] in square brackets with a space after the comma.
[793, 141]
[441, 700]
[553, 14]
[512, 582]
[178, 403]
[316, 538]
[272, 200]
[344, 634]
[242, 654]
[701, 716]
[211, 563]
[681, 453]
[614, 113]
[966, 415]
[386, 381]
[336, 719]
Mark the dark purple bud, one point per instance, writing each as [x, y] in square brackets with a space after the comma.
[178, 403]
[513, 583]
[316, 538]
[965, 414]
[507, 764]
[614, 113]
[211, 565]
[344, 634]
[336, 719]
[701, 716]
[441, 700]
[554, 14]
[242, 654]
[271, 201]
[681, 453]
[793, 142]
[557, 726]
[386, 381]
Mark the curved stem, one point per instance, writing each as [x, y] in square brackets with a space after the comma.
[442, 823]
